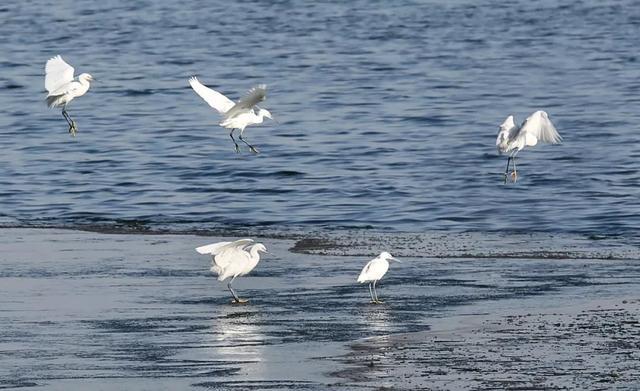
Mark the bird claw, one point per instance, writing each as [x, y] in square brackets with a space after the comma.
[237, 149]
[377, 301]
[254, 150]
[514, 176]
[73, 129]
[239, 301]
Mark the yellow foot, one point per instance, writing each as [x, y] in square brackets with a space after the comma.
[254, 150]
[239, 301]
[514, 176]
[73, 129]
[377, 301]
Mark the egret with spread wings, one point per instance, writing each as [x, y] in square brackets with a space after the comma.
[235, 116]
[233, 259]
[63, 88]
[512, 139]
[373, 271]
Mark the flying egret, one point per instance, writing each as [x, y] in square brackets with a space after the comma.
[62, 87]
[235, 115]
[233, 259]
[373, 271]
[512, 139]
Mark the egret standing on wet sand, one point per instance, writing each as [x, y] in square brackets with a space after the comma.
[233, 259]
[373, 271]
[62, 87]
[512, 139]
[235, 115]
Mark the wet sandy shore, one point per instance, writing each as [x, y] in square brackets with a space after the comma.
[82, 310]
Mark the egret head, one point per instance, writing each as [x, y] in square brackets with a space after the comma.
[260, 247]
[265, 113]
[85, 77]
[388, 257]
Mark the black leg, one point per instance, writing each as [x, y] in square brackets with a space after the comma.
[506, 171]
[234, 141]
[70, 122]
[251, 147]
[373, 300]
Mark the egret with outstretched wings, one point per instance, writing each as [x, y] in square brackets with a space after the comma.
[62, 88]
[512, 139]
[233, 259]
[235, 116]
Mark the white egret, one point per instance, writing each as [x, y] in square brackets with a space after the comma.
[62, 87]
[512, 139]
[235, 115]
[373, 271]
[233, 259]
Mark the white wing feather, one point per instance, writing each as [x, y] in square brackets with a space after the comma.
[57, 74]
[223, 253]
[215, 99]
[216, 248]
[255, 95]
[538, 127]
[363, 274]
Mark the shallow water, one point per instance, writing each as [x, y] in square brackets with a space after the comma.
[85, 311]
[388, 115]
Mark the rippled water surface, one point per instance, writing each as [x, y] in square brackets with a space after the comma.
[387, 114]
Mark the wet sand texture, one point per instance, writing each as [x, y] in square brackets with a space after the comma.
[82, 310]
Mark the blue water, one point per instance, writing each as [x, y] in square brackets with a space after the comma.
[388, 113]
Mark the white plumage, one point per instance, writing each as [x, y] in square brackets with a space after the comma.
[233, 259]
[62, 88]
[512, 139]
[235, 115]
[373, 271]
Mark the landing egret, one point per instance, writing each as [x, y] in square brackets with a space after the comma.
[373, 271]
[62, 87]
[512, 139]
[235, 115]
[233, 259]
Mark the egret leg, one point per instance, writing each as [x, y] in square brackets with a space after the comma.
[72, 124]
[378, 301]
[506, 171]
[514, 174]
[373, 300]
[234, 141]
[251, 147]
[236, 299]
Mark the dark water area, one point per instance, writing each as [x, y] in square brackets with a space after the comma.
[387, 111]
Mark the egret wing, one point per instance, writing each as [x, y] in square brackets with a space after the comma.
[255, 95]
[507, 131]
[364, 274]
[216, 248]
[211, 248]
[57, 74]
[215, 99]
[538, 127]
[232, 252]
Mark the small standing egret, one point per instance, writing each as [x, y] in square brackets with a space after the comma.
[62, 87]
[373, 271]
[512, 139]
[235, 115]
[233, 259]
